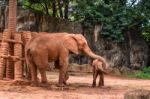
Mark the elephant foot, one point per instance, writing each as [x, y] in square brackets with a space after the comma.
[46, 85]
[44, 81]
[94, 84]
[28, 77]
[34, 84]
[64, 83]
[100, 85]
[61, 85]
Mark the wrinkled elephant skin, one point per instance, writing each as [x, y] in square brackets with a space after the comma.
[55, 47]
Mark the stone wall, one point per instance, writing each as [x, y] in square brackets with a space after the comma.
[133, 54]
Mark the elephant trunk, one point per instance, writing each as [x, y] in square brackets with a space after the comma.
[102, 69]
[89, 53]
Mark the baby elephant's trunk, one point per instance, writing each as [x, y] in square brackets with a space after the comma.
[99, 66]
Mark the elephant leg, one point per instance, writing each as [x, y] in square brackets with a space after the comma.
[58, 67]
[28, 73]
[101, 79]
[43, 75]
[33, 70]
[62, 76]
[41, 61]
[95, 74]
[66, 78]
[63, 62]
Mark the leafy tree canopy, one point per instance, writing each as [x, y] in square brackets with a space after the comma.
[117, 16]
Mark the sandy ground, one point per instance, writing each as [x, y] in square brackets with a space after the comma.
[79, 87]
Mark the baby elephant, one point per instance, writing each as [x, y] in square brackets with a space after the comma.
[98, 69]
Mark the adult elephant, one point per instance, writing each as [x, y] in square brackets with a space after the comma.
[48, 47]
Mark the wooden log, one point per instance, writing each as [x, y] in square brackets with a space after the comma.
[11, 41]
[18, 52]
[4, 51]
[12, 16]
[33, 34]
[137, 94]
[26, 36]
[4, 75]
[7, 35]
[15, 58]
[10, 64]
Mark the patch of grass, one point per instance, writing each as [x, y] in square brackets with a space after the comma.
[141, 75]
[144, 74]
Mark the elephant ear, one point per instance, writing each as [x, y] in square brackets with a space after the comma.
[71, 44]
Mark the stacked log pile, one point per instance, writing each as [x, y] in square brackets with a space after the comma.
[12, 59]
[11, 47]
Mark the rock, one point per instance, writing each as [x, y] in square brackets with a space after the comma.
[137, 94]
[125, 70]
[114, 71]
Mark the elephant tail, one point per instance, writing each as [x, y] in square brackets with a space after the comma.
[28, 59]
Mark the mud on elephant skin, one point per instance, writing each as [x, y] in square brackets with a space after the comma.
[55, 47]
[98, 70]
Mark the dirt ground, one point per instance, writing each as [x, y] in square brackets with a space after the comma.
[79, 87]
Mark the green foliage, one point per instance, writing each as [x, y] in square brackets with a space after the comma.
[146, 35]
[55, 8]
[36, 5]
[144, 74]
[146, 69]
[116, 16]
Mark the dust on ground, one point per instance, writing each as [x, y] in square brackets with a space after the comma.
[79, 87]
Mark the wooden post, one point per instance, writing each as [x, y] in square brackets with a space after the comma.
[18, 53]
[97, 29]
[10, 64]
[12, 29]
[12, 16]
[26, 36]
[4, 51]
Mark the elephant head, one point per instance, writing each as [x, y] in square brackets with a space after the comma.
[77, 43]
[98, 65]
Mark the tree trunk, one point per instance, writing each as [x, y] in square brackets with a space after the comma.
[97, 29]
[66, 9]
[46, 8]
[60, 8]
[54, 8]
